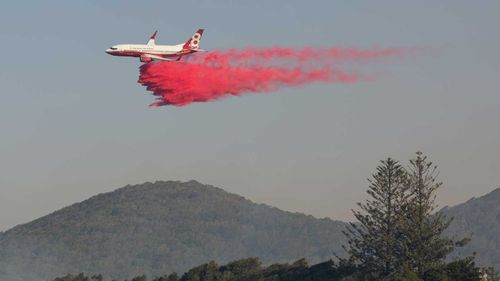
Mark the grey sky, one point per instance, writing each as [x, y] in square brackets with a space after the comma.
[74, 122]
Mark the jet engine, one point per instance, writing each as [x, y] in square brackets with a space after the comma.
[145, 59]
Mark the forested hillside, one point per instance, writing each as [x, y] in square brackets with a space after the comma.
[161, 227]
[479, 219]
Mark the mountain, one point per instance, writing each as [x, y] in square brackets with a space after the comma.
[479, 219]
[160, 227]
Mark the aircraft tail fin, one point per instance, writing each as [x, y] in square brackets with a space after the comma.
[152, 39]
[194, 42]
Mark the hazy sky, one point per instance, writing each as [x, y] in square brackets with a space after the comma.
[74, 122]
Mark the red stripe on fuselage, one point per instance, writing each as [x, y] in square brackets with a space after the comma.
[138, 54]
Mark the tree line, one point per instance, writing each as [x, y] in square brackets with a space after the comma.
[397, 236]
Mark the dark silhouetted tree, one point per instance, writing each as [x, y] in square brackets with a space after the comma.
[463, 270]
[375, 243]
[140, 278]
[173, 277]
[205, 272]
[426, 247]
[243, 267]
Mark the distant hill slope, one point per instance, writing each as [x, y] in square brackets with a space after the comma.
[161, 227]
[481, 218]
[155, 228]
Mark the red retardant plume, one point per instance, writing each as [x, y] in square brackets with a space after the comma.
[211, 76]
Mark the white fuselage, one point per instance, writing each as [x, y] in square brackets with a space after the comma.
[136, 50]
[151, 51]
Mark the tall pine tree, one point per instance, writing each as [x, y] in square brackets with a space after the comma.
[375, 242]
[426, 247]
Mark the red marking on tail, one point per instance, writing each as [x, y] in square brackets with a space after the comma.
[194, 41]
[154, 35]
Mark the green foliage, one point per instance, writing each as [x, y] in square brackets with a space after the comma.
[204, 272]
[463, 270]
[435, 274]
[459, 270]
[375, 242]
[426, 247]
[408, 275]
[251, 269]
[244, 266]
[399, 235]
[171, 277]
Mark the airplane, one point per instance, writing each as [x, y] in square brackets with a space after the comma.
[151, 51]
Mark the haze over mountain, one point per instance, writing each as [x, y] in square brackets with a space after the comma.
[160, 227]
[479, 219]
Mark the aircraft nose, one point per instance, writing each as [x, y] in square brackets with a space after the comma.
[108, 51]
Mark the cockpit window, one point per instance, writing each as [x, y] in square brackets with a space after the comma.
[113, 48]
